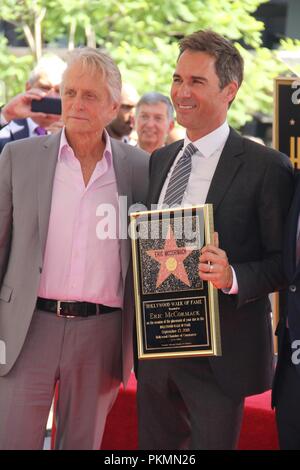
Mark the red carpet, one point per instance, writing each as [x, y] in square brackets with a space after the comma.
[258, 429]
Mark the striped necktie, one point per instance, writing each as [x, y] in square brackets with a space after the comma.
[180, 177]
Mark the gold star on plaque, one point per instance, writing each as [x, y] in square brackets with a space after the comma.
[171, 259]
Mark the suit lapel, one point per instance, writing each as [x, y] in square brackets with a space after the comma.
[157, 181]
[46, 169]
[290, 236]
[123, 179]
[18, 129]
[226, 170]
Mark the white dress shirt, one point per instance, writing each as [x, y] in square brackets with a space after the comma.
[32, 127]
[79, 265]
[204, 163]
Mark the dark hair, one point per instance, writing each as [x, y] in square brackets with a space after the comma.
[229, 64]
[153, 97]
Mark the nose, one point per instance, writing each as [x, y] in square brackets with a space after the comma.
[129, 116]
[184, 91]
[53, 92]
[150, 121]
[78, 103]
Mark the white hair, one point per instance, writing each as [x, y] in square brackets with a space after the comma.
[99, 61]
[50, 66]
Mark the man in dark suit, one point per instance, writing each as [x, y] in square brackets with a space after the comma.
[198, 403]
[286, 388]
[17, 121]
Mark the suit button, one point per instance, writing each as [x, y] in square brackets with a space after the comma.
[292, 288]
[40, 269]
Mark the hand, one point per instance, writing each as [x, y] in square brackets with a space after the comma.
[19, 107]
[214, 265]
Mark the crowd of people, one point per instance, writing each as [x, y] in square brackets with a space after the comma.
[146, 121]
[66, 296]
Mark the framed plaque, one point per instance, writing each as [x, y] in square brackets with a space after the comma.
[177, 313]
[286, 135]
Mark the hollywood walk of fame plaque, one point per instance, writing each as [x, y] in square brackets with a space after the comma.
[176, 312]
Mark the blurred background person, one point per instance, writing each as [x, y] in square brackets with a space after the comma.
[17, 119]
[121, 127]
[154, 120]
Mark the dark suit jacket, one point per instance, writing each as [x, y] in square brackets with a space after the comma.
[290, 298]
[14, 130]
[251, 192]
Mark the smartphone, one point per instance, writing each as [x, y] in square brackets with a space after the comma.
[46, 105]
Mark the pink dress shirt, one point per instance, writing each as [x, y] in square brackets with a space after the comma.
[78, 265]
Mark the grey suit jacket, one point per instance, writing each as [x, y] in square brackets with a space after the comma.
[251, 192]
[27, 169]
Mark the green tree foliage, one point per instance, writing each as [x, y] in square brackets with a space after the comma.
[27, 16]
[14, 71]
[142, 36]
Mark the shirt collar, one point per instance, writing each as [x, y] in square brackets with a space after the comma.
[31, 126]
[65, 150]
[211, 142]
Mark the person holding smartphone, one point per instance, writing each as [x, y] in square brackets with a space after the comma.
[17, 119]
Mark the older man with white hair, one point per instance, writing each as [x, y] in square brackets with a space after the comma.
[66, 304]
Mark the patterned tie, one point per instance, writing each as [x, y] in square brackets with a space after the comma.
[180, 177]
[40, 131]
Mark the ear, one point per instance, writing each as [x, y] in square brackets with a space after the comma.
[230, 91]
[114, 110]
[171, 126]
[116, 106]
